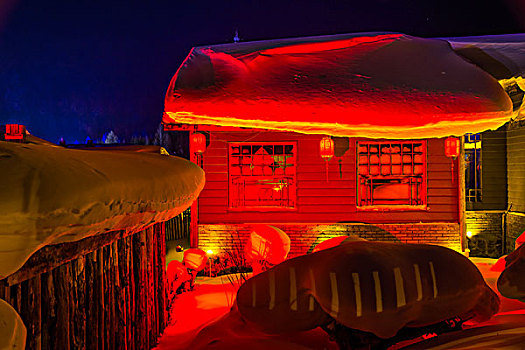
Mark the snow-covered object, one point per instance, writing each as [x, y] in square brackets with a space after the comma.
[195, 259]
[12, 330]
[499, 266]
[503, 56]
[519, 241]
[267, 243]
[176, 274]
[369, 286]
[334, 241]
[367, 85]
[511, 282]
[51, 195]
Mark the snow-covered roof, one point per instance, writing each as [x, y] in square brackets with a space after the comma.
[501, 55]
[370, 85]
[51, 195]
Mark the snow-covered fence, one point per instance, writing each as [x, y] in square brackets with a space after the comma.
[102, 292]
[178, 227]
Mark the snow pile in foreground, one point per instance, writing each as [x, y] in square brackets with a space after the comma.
[51, 195]
[12, 329]
[203, 315]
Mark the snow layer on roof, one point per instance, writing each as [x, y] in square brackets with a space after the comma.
[369, 85]
[501, 55]
[50, 195]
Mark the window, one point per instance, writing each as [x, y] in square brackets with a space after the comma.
[473, 167]
[391, 173]
[262, 175]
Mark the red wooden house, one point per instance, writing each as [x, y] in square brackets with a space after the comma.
[330, 136]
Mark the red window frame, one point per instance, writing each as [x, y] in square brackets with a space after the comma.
[391, 174]
[262, 175]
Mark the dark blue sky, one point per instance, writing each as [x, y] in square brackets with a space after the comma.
[78, 68]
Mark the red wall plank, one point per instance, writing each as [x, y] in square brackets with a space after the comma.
[319, 200]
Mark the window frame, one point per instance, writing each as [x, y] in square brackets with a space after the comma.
[292, 193]
[473, 145]
[422, 200]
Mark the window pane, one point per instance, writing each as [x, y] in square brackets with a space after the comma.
[391, 173]
[266, 177]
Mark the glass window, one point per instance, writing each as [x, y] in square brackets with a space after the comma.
[262, 175]
[391, 173]
[473, 167]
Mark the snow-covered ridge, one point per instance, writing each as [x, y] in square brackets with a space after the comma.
[51, 195]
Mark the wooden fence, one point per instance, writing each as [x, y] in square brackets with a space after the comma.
[103, 292]
[178, 227]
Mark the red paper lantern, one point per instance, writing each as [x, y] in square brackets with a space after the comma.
[198, 142]
[326, 147]
[14, 132]
[452, 147]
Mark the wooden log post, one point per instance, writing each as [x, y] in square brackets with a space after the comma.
[62, 276]
[91, 301]
[101, 329]
[130, 293]
[155, 273]
[33, 314]
[161, 267]
[49, 311]
[139, 262]
[78, 301]
[122, 284]
[150, 287]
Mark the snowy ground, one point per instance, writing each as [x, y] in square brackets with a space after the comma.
[212, 299]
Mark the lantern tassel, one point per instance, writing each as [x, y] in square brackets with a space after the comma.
[326, 163]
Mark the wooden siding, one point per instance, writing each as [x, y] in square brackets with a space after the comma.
[319, 201]
[493, 172]
[516, 167]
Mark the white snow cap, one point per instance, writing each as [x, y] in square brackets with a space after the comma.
[51, 195]
[377, 85]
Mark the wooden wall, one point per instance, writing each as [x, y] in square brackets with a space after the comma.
[319, 201]
[103, 292]
[516, 167]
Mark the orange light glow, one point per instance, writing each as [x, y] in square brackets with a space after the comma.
[326, 148]
[452, 147]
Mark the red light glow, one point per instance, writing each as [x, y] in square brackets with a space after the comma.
[14, 132]
[198, 142]
[326, 148]
[371, 86]
[452, 147]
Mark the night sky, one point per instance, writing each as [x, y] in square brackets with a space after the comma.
[75, 69]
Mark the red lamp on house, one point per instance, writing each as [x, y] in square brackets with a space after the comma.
[452, 149]
[326, 148]
[14, 132]
[198, 142]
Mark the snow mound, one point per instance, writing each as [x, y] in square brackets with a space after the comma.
[12, 330]
[369, 286]
[367, 85]
[51, 195]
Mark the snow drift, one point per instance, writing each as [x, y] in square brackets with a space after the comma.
[12, 330]
[369, 286]
[51, 195]
[366, 85]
